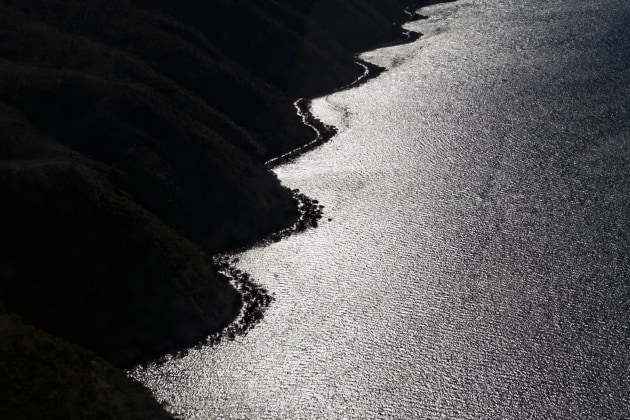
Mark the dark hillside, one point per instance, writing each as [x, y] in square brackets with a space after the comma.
[133, 136]
[301, 47]
[43, 377]
[87, 263]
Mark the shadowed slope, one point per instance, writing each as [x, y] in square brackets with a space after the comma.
[133, 140]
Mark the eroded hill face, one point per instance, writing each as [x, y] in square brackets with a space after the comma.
[134, 134]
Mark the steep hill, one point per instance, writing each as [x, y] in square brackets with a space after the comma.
[133, 140]
[43, 377]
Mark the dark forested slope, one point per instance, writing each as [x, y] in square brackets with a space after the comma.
[133, 135]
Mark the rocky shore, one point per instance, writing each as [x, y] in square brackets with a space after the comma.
[255, 297]
[137, 137]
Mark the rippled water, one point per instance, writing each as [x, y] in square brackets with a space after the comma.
[477, 260]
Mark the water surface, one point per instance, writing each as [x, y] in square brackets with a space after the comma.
[477, 260]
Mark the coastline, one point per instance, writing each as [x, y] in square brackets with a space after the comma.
[342, 313]
[255, 297]
[158, 162]
[324, 132]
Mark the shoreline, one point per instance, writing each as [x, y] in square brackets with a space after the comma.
[324, 132]
[255, 297]
[157, 162]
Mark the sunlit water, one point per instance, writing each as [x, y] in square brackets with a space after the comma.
[477, 264]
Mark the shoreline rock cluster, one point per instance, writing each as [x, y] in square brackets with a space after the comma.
[324, 132]
[256, 298]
